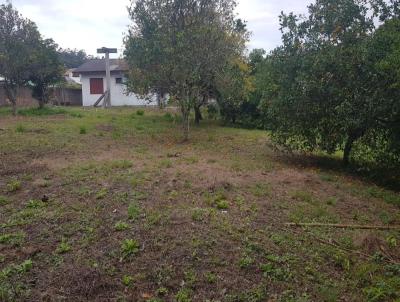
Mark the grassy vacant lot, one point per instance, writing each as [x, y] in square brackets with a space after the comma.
[109, 206]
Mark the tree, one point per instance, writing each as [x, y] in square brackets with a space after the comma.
[47, 70]
[179, 46]
[320, 96]
[18, 38]
[73, 58]
[234, 85]
[382, 143]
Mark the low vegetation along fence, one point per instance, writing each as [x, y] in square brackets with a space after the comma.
[58, 96]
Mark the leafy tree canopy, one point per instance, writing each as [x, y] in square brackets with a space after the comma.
[180, 46]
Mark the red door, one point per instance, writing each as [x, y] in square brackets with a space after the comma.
[96, 86]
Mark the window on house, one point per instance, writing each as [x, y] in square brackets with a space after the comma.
[96, 86]
[119, 81]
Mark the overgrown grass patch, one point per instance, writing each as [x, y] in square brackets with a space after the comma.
[41, 111]
[144, 216]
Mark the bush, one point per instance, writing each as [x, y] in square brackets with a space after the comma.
[140, 112]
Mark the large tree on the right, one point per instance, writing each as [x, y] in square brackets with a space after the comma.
[320, 86]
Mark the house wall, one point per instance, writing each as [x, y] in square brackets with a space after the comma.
[118, 95]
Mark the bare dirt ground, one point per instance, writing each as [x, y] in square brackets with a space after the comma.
[110, 206]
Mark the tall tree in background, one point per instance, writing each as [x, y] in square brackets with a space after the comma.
[179, 46]
[234, 85]
[18, 39]
[72, 58]
[47, 70]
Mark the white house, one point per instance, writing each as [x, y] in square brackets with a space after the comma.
[93, 79]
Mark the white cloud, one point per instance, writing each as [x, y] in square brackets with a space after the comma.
[89, 24]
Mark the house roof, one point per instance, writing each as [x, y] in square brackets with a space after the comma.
[99, 65]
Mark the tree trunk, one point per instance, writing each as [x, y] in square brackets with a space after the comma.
[347, 149]
[41, 104]
[185, 124]
[197, 115]
[11, 93]
[14, 107]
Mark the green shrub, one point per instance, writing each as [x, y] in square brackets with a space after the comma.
[140, 112]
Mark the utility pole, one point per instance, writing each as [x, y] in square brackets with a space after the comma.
[107, 51]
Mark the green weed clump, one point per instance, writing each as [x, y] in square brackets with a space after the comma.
[13, 186]
[63, 247]
[127, 280]
[20, 129]
[4, 200]
[133, 211]
[121, 226]
[82, 130]
[140, 112]
[129, 247]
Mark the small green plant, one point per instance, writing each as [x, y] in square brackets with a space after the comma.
[199, 214]
[12, 239]
[183, 295]
[121, 226]
[129, 248]
[35, 204]
[76, 114]
[102, 193]
[20, 129]
[25, 266]
[140, 112]
[127, 280]
[331, 201]
[139, 128]
[246, 262]
[166, 163]
[63, 247]
[219, 201]
[82, 130]
[211, 277]
[13, 186]
[261, 190]
[121, 164]
[222, 204]
[303, 196]
[4, 200]
[273, 271]
[133, 211]
[190, 278]
[327, 177]
[162, 291]
[168, 117]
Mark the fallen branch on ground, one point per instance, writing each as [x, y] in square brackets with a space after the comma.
[344, 226]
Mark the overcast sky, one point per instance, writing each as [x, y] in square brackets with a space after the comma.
[89, 24]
